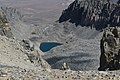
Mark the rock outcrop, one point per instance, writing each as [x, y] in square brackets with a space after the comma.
[92, 13]
[5, 27]
[110, 49]
[65, 66]
[19, 29]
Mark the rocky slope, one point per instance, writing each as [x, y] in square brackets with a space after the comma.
[79, 50]
[19, 62]
[15, 64]
[80, 47]
[19, 29]
[14, 53]
[76, 49]
[92, 13]
[38, 11]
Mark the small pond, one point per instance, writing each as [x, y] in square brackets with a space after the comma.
[47, 46]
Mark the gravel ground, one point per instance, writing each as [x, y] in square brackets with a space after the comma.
[11, 73]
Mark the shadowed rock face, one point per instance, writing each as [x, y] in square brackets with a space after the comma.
[94, 13]
[118, 2]
[110, 50]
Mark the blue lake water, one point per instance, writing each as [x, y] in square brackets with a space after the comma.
[47, 46]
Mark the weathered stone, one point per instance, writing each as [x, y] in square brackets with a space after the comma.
[65, 66]
[27, 45]
[110, 50]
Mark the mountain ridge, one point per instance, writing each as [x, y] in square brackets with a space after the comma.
[92, 13]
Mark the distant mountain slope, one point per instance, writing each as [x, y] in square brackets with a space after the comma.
[38, 11]
[93, 13]
[19, 29]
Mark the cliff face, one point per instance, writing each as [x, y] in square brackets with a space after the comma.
[93, 13]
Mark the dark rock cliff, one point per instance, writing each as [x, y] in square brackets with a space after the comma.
[92, 13]
[110, 49]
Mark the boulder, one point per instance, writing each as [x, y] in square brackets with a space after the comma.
[110, 49]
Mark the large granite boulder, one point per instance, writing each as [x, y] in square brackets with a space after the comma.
[110, 49]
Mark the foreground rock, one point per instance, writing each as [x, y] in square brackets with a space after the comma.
[12, 54]
[110, 49]
[18, 63]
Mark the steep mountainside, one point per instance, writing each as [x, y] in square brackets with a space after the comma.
[19, 29]
[110, 49]
[5, 28]
[93, 13]
[16, 61]
[38, 11]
